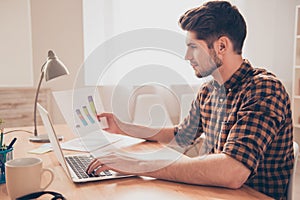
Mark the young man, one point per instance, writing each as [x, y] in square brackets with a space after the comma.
[244, 113]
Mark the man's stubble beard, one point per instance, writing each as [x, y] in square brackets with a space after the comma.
[215, 63]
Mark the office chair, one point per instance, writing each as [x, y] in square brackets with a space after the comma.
[290, 195]
[150, 110]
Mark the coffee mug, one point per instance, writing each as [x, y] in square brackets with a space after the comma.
[23, 176]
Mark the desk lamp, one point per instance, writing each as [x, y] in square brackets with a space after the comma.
[51, 69]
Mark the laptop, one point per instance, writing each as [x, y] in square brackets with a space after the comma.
[74, 165]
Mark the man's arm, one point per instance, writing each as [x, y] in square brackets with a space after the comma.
[213, 170]
[162, 135]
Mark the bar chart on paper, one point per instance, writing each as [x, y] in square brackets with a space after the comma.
[92, 105]
[85, 115]
[80, 108]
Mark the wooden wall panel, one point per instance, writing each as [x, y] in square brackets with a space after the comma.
[16, 105]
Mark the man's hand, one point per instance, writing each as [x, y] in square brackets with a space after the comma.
[114, 124]
[134, 163]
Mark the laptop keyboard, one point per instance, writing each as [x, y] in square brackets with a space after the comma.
[79, 165]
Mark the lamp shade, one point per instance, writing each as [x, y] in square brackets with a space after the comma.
[54, 67]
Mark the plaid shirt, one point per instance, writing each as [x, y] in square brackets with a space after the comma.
[249, 119]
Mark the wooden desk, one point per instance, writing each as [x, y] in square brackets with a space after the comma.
[125, 189]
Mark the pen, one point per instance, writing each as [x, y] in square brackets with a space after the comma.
[1, 139]
[2, 166]
[11, 143]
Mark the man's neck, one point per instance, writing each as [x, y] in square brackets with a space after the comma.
[230, 66]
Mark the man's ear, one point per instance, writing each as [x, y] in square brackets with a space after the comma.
[222, 44]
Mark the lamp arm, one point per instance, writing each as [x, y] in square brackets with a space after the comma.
[35, 102]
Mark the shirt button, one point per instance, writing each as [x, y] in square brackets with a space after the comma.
[229, 89]
[221, 100]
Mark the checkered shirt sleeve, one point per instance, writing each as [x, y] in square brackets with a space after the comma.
[191, 127]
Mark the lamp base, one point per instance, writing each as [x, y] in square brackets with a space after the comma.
[43, 138]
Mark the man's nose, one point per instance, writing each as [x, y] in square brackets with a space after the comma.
[187, 56]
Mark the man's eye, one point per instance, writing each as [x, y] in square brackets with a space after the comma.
[193, 46]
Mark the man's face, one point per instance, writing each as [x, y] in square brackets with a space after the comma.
[203, 60]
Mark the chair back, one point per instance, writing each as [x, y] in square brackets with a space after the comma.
[290, 195]
[151, 111]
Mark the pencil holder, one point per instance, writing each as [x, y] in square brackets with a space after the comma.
[5, 155]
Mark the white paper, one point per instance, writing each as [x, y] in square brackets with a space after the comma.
[80, 115]
[78, 111]
[99, 141]
[92, 141]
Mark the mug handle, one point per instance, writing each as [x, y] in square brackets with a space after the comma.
[51, 179]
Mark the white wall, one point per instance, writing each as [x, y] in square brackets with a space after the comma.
[121, 17]
[98, 23]
[29, 28]
[58, 25]
[269, 43]
[15, 39]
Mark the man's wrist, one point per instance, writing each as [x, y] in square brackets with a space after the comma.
[176, 129]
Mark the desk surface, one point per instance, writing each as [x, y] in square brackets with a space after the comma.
[127, 188]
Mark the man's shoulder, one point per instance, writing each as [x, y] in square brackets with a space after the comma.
[260, 77]
[263, 82]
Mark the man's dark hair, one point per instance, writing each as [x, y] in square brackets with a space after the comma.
[213, 20]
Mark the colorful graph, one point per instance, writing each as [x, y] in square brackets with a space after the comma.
[92, 105]
[84, 122]
[86, 112]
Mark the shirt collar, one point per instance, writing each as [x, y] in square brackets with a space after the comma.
[236, 78]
